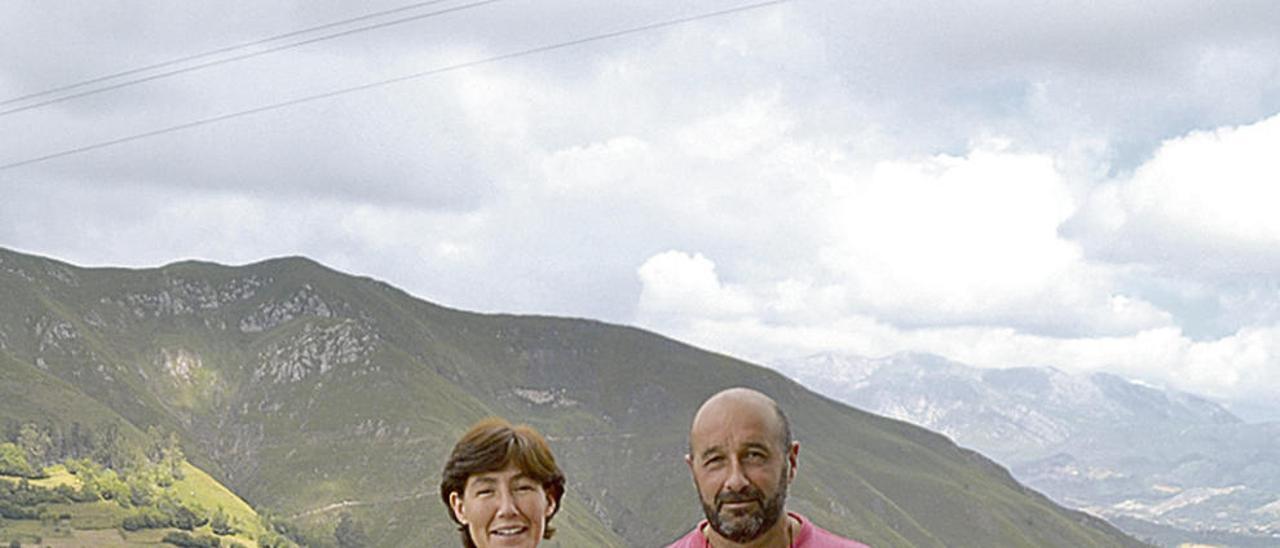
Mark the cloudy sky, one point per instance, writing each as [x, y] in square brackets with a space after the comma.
[1002, 183]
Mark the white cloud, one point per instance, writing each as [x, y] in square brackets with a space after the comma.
[988, 220]
[973, 239]
[617, 164]
[679, 285]
[739, 131]
[1203, 205]
[1238, 367]
[941, 245]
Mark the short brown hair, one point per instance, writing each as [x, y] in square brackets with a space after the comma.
[492, 444]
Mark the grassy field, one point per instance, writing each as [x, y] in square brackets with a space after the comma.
[91, 515]
[98, 523]
[58, 475]
[28, 532]
[197, 486]
[85, 529]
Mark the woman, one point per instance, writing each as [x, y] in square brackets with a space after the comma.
[502, 486]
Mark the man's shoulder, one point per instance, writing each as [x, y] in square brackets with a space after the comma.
[822, 538]
[692, 540]
[812, 536]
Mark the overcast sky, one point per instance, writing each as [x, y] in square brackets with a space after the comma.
[1005, 183]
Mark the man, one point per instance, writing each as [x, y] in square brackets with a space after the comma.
[743, 459]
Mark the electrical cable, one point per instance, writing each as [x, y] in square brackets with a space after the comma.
[423, 74]
[238, 57]
[217, 51]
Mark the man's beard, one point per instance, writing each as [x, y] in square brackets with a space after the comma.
[747, 527]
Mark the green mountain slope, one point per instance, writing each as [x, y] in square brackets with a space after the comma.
[97, 523]
[312, 393]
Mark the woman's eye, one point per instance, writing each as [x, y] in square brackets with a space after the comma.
[525, 488]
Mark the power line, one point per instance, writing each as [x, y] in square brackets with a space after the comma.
[230, 59]
[243, 45]
[371, 85]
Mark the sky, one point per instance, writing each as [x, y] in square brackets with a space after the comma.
[1031, 183]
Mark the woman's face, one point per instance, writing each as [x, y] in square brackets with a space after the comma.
[505, 508]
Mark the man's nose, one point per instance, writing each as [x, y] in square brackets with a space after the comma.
[737, 480]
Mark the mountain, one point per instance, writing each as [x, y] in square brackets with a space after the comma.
[1163, 464]
[312, 393]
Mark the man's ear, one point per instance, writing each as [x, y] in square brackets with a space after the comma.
[688, 461]
[793, 457]
[455, 502]
[551, 506]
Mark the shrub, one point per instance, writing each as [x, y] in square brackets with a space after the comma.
[86, 493]
[66, 492]
[221, 524]
[25, 494]
[350, 533]
[13, 462]
[185, 518]
[11, 510]
[111, 487]
[179, 538]
[140, 494]
[146, 519]
[272, 540]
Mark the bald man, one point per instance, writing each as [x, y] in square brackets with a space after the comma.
[743, 459]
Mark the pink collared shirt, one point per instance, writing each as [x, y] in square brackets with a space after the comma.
[809, 536]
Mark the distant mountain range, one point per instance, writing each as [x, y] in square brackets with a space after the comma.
[312, 393]
[1165, 465]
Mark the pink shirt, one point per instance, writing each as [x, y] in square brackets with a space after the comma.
[810, 536]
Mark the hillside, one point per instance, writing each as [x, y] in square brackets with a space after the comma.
[97, 523]
[312, 394]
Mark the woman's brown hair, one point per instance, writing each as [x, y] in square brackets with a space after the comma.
[489, 446]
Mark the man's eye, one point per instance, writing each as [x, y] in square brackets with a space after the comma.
[526, 487]
[757, 456]
[483, 492]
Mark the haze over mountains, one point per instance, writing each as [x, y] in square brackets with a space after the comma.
[309, 392]
[1162, 464]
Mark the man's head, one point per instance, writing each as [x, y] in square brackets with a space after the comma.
[742, 460]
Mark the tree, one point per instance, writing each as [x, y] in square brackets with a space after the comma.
[111, 487]
[179, 538]
[221, 524]
[35, 441]
[186, 516]
[154, 443]
[350, 533]
[87, 471]
[141, 492]
[172, 456]
[112, 449]
[79, 442]
[13, 461]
